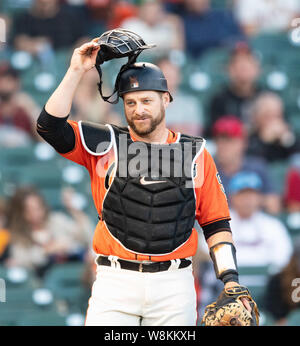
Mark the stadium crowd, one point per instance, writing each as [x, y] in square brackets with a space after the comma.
[231, 68]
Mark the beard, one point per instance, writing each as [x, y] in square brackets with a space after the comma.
[143, 130]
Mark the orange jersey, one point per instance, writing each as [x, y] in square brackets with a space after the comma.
[211, 202]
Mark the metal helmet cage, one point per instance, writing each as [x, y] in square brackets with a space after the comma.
[118, 43]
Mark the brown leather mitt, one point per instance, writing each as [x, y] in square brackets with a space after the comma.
[228, 309]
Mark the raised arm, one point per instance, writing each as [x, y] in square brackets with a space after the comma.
[52, 123]
[83, 59]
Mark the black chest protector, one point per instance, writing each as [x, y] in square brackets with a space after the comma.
[150, 204]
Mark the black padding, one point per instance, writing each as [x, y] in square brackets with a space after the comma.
[96, 137]
[154, 218]
[56, 131]
[216, 227]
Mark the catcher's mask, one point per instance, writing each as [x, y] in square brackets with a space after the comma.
[118, 43]
[142, 76]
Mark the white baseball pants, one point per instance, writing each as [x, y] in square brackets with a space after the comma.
[130, 298]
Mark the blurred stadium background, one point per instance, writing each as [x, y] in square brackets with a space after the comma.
[59, 296]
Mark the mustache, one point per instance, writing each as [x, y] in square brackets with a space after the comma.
[142, 117]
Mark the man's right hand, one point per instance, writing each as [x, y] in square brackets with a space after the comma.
[84, 57]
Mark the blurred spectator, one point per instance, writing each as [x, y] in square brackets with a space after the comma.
[231, 142]
[4, 233]
[174, 6]
[206, 28]
[5, 27]
[260, 239]
[41, 237]
[47, 23]
[100, 10]
[157, 26]
[22, 98]
[17, 111]
[109, 14]
[265, 16]
[88, 104]
[292, 186]
[9, 6]
[279, 290]
[121, 11]
[184, 114]
[207, 287]
[271, 137]
[238, 95]
[90, 270]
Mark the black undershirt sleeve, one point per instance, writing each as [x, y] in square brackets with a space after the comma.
[56, 131]
[216, 227]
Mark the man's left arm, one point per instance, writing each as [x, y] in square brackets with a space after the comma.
[213, 216]
[223, 254]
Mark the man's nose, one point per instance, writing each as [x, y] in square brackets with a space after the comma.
[139, 108]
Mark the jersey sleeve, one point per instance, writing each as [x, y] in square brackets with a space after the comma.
[78, 154]
[211, 201]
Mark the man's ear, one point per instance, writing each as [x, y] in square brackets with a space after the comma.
[166, 99]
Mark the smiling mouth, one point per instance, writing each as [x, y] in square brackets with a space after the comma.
[141, 119]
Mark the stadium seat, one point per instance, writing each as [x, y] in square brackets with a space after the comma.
[42, 318]
[293, 318]
[18, 303]
[9, 316]
[214, 61]
[294, 122]
[41, 174]
[20, 298]
[255, 278]
[277, 171]
[52, 196]
[17, 277]
[265, 319]
[219, 4]
[292, 223]
[270, 46]
[17, 156]
[64, 280]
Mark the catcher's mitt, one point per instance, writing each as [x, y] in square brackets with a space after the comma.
[228, 309]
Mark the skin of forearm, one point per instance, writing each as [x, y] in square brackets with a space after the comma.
[60, 102]
[219, 237]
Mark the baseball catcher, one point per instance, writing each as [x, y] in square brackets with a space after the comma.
[145, 238]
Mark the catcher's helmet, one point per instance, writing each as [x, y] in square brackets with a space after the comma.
[142, 76]
[119, 43]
